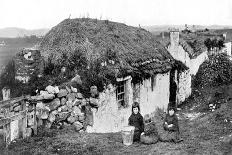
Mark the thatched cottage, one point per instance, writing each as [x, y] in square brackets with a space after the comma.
[136, 66]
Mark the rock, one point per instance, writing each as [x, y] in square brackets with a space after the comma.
[55, 112]
[54, 104]
[68, 89]
[62, 93]
[69, 104]
[89, 129]
[64, 108]
[94, 92]
[63, 101]
[74, 90]
[83, 102]
[79, 96]
[78, 125]
[93, 102]
[62, 116]
[71, 97]
[56, 90]
[40, 105]
[43, 92]
[81, 117]
[37, 98]
[17, 108]
[71, 119]
[77, 102]
[47, 96]
[76, 111]
[77, 79]
[51, 117]
[45, 114]
[50, 89]
[59, 109]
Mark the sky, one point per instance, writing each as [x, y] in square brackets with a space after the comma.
[34, 14]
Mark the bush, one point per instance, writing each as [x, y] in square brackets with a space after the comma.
[214, 72]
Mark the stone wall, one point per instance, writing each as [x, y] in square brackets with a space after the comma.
[184, 86]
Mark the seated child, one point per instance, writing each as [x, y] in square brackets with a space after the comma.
[171, 126]
[136, 120]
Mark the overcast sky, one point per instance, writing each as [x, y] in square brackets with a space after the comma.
[33, 14]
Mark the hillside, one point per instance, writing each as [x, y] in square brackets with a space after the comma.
[13, 32]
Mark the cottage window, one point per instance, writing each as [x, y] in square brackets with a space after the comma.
[120, 93]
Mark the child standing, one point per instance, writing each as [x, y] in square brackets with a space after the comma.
[136, 120]
[171, 125]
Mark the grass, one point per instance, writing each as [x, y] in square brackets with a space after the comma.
[202, 135]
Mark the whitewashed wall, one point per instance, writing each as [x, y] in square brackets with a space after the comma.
[108, 117]
[227, 48]
[184, 86]
[158, 97]
[195, 63]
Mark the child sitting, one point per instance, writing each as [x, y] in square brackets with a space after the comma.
[171, 126]
[136, 120]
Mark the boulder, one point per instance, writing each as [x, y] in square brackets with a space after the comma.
[69, 104]
[54, 104]
[62, 116]
[50, 89]
[48, 96]
[78, 125]
[74, 90]
[68, 88]
[79, 96]
[56, 90]
[93, 102]
[83, 102]
[76, 111]
[71, 119]
[40, 105]
[81, 117]
[77, 102]
[63, 101]
[71, 97]
[51, 117]
[77, 79]
[45, 114]
[62, 93]
[64, 108]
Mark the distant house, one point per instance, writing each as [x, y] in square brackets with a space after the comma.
[227, 45]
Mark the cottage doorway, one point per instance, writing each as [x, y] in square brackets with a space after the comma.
[172, 90]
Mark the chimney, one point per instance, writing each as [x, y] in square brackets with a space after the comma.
[174, 38]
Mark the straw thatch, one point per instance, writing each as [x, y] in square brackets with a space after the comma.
[132, 49]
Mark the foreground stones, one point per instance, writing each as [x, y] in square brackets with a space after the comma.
[65, 107]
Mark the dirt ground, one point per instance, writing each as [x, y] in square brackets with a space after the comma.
[201, 134]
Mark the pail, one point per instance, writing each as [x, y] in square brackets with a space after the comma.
[127, 135]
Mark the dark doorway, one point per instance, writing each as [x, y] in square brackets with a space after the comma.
[172, 89]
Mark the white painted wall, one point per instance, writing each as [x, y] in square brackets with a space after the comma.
[195, 63]
[184, 86]
[149, 100]
[108, 117]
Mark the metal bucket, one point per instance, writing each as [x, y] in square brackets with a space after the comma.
[127, 135]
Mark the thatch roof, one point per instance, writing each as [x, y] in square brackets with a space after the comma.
[132, 48]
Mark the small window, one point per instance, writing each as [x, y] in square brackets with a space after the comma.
[120, 93]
